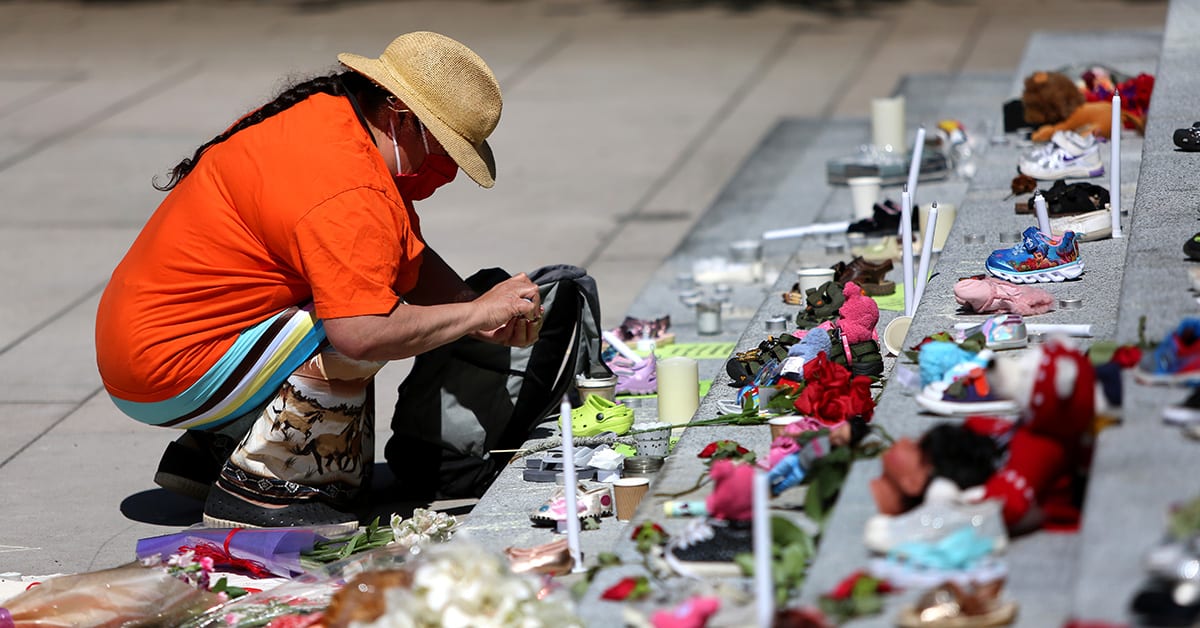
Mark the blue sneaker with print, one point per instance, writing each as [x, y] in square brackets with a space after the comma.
[1038, 258]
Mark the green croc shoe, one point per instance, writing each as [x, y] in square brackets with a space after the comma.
[598, 415]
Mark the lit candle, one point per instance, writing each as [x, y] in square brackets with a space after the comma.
[678, 389]
[570, 486]
[1114, 196]
[914, 166]
[1043, 216]
[764, 586]
[906, 249]
[926, 253]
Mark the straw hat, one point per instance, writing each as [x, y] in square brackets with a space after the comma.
[449, 88]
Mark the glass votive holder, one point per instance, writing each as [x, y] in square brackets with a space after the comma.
[708, 318]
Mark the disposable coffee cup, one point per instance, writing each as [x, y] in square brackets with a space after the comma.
[779, 424]
[864, 193]
[894, 333]
[628, 493]
[653, 439]
[813, 278]
[605, 387]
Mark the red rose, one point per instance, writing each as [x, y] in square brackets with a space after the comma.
[861, 402]
[1127, 356]
[846, 586]
[627, 589]
[820, 369]
[648, 528]
[787, 386]
[712, 448]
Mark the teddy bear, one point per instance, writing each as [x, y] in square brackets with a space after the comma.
[859, 315]
[1053, 102]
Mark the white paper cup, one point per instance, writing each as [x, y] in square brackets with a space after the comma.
[628, 493]
[894, 333]
[813, 278]
[945, 220]
[864, 192]
[779, 424]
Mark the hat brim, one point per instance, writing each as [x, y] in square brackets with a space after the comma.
[477, 161]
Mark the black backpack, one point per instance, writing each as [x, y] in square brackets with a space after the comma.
[469, 397]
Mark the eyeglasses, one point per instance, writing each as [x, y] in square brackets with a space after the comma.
[393, 104]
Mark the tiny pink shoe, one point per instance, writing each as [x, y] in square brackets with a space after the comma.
[988, 295]
[634, 379]
[589, 502]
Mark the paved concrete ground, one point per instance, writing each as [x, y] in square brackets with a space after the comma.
[622, 125]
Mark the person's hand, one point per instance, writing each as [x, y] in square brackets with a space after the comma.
[517, 332]
[512, 312]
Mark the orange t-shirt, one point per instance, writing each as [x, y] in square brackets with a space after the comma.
[298, 207]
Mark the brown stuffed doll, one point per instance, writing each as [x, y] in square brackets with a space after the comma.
[1054, 103]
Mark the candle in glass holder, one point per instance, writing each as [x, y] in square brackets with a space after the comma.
[678, 389]
[708, 318]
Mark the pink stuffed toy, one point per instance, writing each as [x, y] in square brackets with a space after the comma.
[693, 613]
[858, 316]
[732, 498]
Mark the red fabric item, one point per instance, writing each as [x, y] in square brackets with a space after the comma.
[989, 426]
[1034, 464]
[222, 557]
[1066, 419]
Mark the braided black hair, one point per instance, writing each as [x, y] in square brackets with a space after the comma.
[336, 84]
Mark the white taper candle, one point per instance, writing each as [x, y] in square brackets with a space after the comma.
[914, 166]
[621, 347]
[906, 252]
[1114, 193]
[764, 580]
[570, 486]
[926, 254]
[1043, 216]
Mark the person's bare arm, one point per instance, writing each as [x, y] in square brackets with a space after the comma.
[438, 283]
[410, 329]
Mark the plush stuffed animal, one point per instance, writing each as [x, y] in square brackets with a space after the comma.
[906, 472]
[859, 315]
[966, 457]
[732, 498]
[1055, 385]
[1053, 102]
[693, 613]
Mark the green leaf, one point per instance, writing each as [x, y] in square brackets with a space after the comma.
[608, 559]
[745, 561]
